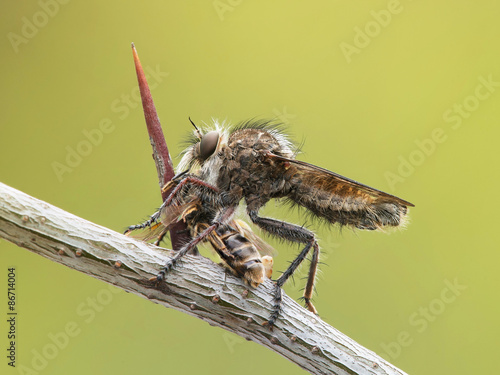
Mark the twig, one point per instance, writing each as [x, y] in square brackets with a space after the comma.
[197, 287]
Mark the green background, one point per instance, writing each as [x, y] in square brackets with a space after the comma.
[362, 114]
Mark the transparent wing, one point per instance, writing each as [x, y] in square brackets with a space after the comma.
[244, 229]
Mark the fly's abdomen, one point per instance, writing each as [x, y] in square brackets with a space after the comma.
[242, 257]
[337, 201]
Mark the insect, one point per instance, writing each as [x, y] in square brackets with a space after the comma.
[237, 245]
[255, 162]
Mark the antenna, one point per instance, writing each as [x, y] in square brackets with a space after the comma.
[198, 133]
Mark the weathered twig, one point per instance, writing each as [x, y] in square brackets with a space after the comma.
[197, 287]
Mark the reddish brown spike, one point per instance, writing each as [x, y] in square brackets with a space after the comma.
[161, 155]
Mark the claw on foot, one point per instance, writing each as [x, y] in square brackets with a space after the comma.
[269, 324]
[158, 278]
[310, 306]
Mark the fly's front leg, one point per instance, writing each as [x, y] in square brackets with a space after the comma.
[186, 232]
[175, 185]
[183, 251]
[147, 224]
[223, 216]
[293, 233]
[191, 180]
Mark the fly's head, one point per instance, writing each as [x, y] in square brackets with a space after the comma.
[204, 151]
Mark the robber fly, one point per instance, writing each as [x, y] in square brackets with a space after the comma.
[237, 245]
[255, 162]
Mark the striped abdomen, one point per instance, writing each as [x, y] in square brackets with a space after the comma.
[239, 254]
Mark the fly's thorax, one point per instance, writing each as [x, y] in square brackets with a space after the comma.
[248, 171]
[259, 140]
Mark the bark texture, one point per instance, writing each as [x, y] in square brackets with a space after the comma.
[197, 287]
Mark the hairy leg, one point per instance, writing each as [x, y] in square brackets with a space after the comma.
[293, 233]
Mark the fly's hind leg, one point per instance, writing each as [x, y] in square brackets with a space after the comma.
[293, 233]
[311, 278]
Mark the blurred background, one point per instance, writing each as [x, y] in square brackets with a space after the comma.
[400, 95]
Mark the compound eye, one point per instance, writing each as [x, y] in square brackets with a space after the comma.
[208, 144]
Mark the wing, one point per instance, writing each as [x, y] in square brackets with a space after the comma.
[177, 211]
[244, 229]
[167, 216]
[339, 199]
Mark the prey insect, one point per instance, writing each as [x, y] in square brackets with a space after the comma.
[255, 162]
[237, 245]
